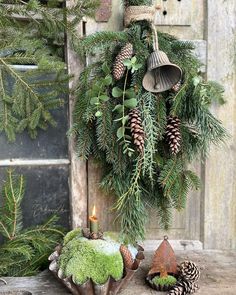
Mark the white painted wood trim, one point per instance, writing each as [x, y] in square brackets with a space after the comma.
[24, 67]
[39, 162]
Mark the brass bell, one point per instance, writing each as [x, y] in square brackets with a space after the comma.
[162, 74]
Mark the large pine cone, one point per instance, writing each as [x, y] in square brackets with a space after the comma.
[137, 131]
[173, 134]
[127, 256]
[189, 271]
[183, 288]
[119, 68]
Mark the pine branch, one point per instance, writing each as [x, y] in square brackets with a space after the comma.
[99, 40]
[24, 251]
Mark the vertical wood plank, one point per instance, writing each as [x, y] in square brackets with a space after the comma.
[96, 196]
[78, 167]
[219, 224]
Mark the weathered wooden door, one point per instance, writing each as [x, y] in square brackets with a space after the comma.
[173, 17]
[199, 21]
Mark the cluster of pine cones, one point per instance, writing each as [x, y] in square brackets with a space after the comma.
[189, 275]
[135, 121]
[173, 135]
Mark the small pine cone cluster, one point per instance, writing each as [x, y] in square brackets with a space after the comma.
[173, 135]
[119, 68]
[127, 256]
[137, 131]
[189, 271]
[183, 288]
[189, 274]
[177, 86]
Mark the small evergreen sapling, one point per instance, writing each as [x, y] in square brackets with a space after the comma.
[24, 251]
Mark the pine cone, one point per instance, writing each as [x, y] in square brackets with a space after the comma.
[119, 68]
[137, 131]
[177, 86]
[183, 288]
[173, 134]
[176, 290]
[127, 256]
[189, 271]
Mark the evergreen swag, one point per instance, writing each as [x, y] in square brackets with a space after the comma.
[27, 98]
[23, 251]
[155, 178]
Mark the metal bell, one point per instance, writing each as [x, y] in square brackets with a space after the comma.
[162, 74]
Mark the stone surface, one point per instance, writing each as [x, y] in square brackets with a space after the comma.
[218, 277]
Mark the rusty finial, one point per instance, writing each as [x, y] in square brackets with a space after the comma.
[164, 261]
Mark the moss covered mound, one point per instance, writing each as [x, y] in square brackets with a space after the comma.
[85, 259]
[165, 281]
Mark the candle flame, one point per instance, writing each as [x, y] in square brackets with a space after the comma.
[94, 211]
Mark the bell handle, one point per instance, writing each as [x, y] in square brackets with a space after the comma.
[155, 38]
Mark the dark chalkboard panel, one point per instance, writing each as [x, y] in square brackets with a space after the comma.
[47, 193]
[50, 144]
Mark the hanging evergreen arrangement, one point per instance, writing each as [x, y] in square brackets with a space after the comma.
[33, 33]
[144, 141]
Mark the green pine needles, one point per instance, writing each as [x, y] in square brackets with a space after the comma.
[155, 178]
[23, 251]
[33, 33]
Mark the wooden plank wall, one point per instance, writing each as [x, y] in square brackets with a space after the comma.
[219, 219]
[211, 213]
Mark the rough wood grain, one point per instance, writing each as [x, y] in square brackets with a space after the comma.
[78, 168]
[198, 14]
[96, 196]
[174, 13]
[218, 276]
[219, 223]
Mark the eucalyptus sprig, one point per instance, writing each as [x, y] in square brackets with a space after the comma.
[98, 92]
[129, 101]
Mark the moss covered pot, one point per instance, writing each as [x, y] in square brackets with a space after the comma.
[91, 259]
[91, 267]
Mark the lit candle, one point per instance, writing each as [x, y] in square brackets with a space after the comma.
[93, 222]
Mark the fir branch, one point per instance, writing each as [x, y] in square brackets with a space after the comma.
[151, 130]
[130, 208]
[23, 251]
[98, 40]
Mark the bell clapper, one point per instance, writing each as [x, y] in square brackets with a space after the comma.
[157, 78]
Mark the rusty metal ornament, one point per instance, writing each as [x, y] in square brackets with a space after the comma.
[161, 74]
[164, 259]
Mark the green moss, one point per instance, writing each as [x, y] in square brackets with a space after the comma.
[169, 280]
[72, 234]
[96, 259]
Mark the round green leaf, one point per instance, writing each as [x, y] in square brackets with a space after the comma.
[131, 103]
[120, 132]
[117, 92]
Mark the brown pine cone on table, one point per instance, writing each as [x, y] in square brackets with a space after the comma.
[189, 271]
